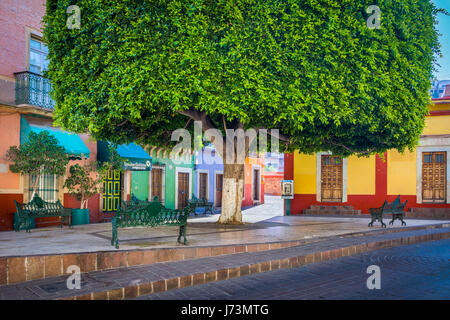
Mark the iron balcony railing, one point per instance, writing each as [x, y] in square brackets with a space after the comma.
[33, 89]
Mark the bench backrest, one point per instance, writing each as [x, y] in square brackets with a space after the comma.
[153, 214]
[37, 208]
[396, 204]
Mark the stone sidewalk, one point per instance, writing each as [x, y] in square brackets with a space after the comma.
[97, 237]
[130, 282]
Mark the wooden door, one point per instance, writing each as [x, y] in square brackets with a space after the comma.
[434, 176]
[331, 178]
[256, 187]
[183, 189]
[157, 183]
[202, 186]
[219, 188]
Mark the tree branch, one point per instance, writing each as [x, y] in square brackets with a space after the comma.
[349, 149]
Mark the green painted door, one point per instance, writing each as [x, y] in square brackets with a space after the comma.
[139, 184]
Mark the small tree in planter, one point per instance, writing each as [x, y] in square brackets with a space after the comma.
[39, 155]
[81, 184]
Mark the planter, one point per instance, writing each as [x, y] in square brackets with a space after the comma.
[80, 216]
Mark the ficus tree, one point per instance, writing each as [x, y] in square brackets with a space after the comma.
[314, 69]
[40, 154]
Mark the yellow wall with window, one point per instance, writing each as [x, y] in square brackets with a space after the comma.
[361, 175]
[304, 173]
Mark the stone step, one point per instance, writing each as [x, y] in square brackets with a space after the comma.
[134, 281]
[429, 213]
[331, 207]
[331, 212]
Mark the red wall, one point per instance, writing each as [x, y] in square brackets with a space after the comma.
[7, 210]
[93, 205]
[272, 184]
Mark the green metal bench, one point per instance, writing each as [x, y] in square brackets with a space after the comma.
[396, 208]
[135, 203]
[38, 208]
[201, 203]
[152, 214]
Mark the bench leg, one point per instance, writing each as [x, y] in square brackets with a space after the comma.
[372, 221]
[114, 238]
[182, 233]
[17, 225]
[27, 223]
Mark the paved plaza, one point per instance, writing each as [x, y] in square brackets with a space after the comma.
[263, 223]
[418, 271]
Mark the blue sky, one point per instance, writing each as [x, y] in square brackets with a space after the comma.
[444, 29]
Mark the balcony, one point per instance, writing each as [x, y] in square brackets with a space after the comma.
[33, 89]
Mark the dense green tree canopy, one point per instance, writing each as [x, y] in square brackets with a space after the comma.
[136, 70]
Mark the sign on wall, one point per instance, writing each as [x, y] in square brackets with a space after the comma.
[287, 189]
[138, 166]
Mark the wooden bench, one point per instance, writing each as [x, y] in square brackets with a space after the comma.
[38, 208]
[201, 203]
[152, 214]
[396, 208]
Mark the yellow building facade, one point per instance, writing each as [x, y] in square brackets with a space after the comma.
[421, 177]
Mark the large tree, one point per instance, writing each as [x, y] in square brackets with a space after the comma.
[137, 70]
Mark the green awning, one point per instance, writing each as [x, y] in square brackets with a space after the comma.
[72, 143]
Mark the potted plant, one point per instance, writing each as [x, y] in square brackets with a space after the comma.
[81, 184]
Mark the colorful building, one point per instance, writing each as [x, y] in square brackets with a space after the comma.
[171, 178]
[420, 176]
[273, 173]
[209, 178]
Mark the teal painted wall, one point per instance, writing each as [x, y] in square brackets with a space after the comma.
[139, 184]
[170, 168]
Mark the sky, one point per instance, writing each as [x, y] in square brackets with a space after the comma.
[443, 72]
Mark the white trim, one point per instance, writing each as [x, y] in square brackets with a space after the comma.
[198, 171]
[256, 168]
[430, 148]
[126, 185]
[319, 176]
[182, 170]
[216, 172]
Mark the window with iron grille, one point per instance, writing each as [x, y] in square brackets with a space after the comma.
[47, 189]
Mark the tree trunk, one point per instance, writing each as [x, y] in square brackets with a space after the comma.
[35, 185]
[232, 191]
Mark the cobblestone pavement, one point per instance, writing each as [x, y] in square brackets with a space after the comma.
[97, 281]
[419, 271]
